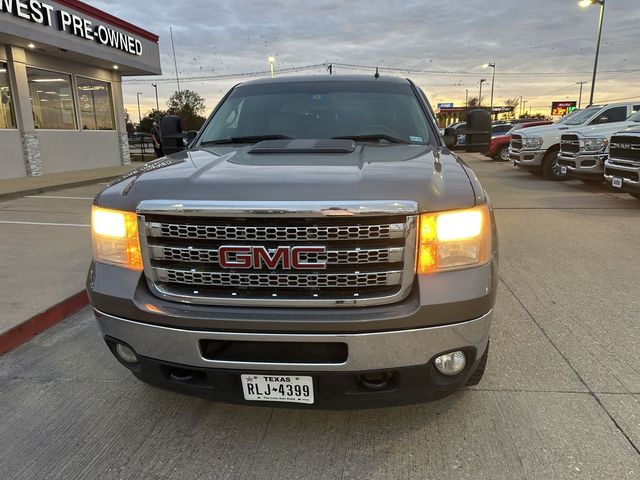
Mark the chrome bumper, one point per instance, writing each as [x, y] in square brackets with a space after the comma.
[591, 164]
[366, 351]
[526, 158]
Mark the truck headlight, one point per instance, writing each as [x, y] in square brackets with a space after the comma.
[454, 239]
[532, 143]
[594, 144]
[114, 237]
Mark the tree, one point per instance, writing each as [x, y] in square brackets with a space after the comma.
[512, 102]
[146, 123]
[189, 106]
[472, 102]
[127, 122]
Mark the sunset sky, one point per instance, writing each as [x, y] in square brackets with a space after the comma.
[541, 47]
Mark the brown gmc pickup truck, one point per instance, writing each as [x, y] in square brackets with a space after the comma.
[316, 244]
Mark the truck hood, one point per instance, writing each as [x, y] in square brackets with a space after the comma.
[431, 176]
[606, 129]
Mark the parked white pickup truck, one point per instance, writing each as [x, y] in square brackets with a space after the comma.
[583, 151]
[536, 149]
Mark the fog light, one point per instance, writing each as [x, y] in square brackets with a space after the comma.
[125, 353]
[451, 363]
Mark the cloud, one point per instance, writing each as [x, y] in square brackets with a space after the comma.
[521, 37]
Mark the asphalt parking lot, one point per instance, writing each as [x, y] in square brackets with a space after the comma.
[45, 248]
[560, 399]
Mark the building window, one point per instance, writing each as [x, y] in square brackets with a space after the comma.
[96, 109]
[51, 99]
[7, 120]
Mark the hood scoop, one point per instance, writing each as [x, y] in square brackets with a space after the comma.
[304, 146]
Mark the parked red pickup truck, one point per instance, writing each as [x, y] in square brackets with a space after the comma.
[499, 146]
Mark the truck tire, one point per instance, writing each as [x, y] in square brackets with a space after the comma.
[502, 155]
[550, 167]
[476, 376]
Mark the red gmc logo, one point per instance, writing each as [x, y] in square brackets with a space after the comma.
[261, 257]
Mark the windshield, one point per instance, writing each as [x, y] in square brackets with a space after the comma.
[583, 116]
[377, 112]
[634, 118]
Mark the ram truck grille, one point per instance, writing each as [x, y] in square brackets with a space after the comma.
[569, 143]
[516, 141]
[276, 260]
[625, 147]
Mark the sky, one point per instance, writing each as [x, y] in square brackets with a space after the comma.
[541, 48]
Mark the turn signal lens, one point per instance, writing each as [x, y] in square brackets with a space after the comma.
[454, 239]
[114, 236]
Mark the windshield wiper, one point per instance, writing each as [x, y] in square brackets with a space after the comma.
[371, 138]
[248, 139]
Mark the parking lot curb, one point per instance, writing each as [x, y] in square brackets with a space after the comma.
[30, 328]
[52, 188]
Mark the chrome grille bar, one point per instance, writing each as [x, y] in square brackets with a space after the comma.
[332, 257]
[270, 280]
[221, 232]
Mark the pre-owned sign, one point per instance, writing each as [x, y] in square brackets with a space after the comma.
[45, 14]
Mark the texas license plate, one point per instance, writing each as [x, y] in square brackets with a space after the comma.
[277, 388]
[616, 182]
[563, 170]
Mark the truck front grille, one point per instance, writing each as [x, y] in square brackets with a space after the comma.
[340, 260]
[516, 142]
[569, 143]
[625, 147]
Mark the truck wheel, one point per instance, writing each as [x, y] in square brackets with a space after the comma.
[550, 167]
[476, 376]
[503, 154]
[593, 181]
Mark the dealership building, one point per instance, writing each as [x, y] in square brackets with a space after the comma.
[61, 69]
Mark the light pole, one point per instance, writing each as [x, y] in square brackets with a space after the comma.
[139, 115]
[585, 4]
[272, 61]
[155, 85]
[580, 96]
[524, 108]
[493, 80]
[466, 98]
[482, 80]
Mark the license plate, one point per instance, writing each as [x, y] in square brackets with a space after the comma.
[616, 182]
[277, 388]
[563, 170]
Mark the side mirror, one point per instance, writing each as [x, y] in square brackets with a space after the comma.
[450, 137]
[172, 136]
[478, 131]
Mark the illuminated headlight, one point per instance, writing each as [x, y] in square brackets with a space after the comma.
[454, 239]
[531, 143]
[114, 237]
[594, 144]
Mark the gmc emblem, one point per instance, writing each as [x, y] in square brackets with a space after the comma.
[247, 257]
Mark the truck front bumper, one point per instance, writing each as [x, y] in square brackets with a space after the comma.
[628, 176]
[527, 159]
[173, 358]
[583, 165]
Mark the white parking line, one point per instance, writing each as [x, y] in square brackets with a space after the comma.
[58, 197]
[46, 224]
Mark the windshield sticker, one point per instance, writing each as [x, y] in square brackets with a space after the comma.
[416, 139]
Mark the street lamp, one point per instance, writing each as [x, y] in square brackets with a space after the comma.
[155, 85]
[139, 114]
[585, 4]
[493, 79]
[482, 80]
[272, 61]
